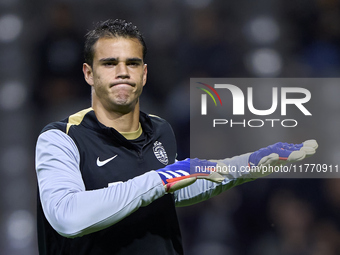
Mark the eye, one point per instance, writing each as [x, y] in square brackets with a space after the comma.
[109, 63]
[133, 64]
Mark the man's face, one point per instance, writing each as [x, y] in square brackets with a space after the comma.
[118, 73]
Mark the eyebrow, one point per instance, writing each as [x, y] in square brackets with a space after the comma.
[117, 59]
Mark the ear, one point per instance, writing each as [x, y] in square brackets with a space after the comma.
[145, 72]
[88, 73]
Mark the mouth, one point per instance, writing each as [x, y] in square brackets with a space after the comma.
[122, 83]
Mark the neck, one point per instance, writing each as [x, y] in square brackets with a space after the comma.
[121, 121]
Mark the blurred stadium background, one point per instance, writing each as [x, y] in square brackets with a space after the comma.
[41, 81]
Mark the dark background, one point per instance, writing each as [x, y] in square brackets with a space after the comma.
[41, 81]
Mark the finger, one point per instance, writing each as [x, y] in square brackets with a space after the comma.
[310, 147]
[311, 143]
[269, 160]
[296, 156]
[214, 177]
[309, 151]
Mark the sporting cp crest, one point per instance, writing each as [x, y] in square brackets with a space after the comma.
[160, 153]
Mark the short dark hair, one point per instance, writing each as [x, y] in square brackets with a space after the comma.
[107, 29]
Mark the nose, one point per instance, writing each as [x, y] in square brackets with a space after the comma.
[122, 71]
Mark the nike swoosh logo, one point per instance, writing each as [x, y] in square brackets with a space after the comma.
[101, 163]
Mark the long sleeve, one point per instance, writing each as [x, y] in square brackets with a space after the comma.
[70, 209]
[202, 189]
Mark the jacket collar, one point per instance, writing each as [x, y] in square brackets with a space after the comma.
[90, 121]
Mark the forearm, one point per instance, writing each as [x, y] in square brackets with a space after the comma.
[203, 189]
[74, 214]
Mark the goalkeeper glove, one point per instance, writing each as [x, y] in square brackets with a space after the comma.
[282, 153]
[186, 172]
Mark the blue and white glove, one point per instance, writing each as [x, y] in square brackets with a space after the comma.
[186, 172]
[282, 153]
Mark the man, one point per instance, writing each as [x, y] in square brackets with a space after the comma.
[107, 176]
